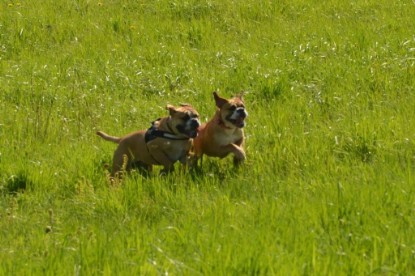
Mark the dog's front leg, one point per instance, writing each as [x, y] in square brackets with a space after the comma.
[190, 160]
[185, 160]
[163, 160]
[239, 153]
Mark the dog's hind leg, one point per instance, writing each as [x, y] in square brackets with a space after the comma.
[120, 162]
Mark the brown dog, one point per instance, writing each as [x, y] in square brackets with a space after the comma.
[223, 134]
[168, 140]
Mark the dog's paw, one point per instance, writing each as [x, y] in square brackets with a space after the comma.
[240, 155]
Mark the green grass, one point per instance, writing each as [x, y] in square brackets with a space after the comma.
[328, 187]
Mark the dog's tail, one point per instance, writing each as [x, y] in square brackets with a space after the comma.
[109, 137]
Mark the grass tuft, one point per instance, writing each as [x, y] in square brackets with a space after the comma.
[15, 184]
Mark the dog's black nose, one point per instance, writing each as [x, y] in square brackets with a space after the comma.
[241, 112]
[194, 123]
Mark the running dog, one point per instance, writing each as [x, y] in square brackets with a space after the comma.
[168, 140]
[223, 134]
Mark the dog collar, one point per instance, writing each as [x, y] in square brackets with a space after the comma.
[153, 133]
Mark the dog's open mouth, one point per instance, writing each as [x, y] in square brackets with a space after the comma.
[192, 133]
[239, 122]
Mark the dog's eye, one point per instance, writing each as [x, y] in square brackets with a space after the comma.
[186, 117]
[232, 108]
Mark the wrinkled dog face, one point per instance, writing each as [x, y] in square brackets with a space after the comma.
[233, 111]
[185, 120]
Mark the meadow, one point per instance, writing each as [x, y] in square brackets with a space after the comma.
[328, 185]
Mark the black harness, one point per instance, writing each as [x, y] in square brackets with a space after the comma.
[153, 133]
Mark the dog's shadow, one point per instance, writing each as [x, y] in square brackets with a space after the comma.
[211, 168]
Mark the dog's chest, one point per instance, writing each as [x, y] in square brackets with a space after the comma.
[228, 137]
[175, 151]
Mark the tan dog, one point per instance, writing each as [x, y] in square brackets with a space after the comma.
[168, 140]
[223, 134]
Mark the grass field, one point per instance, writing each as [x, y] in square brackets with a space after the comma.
[328, 187]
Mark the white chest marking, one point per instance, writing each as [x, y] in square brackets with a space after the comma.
[228, 137]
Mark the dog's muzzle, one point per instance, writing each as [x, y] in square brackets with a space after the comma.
[194, 127]
[190, 128]
[238, 117]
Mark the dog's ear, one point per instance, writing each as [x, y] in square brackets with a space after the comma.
[219, 101]
[241, 95]
[171, 109]
[185, 105]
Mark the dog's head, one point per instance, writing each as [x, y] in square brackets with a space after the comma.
[232, 111]
[184, 120]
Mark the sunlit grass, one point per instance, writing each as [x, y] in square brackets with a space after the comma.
[328, 186]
